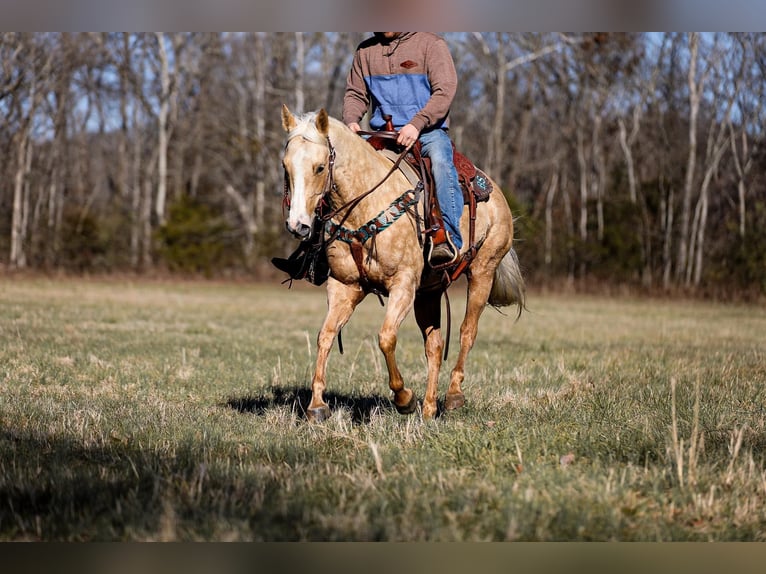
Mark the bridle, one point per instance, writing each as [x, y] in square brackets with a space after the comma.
[330, 185]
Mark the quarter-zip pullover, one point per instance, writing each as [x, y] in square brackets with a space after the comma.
[411, 77]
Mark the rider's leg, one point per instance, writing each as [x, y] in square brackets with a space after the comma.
[438, 146]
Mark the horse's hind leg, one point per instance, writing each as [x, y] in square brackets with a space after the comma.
[341, 302]
[428, 316]
[479, 286]
[399, 304]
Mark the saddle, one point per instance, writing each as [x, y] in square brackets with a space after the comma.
[473, 181]
[474, 184]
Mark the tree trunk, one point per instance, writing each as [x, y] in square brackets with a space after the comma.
[245, 208]
[667, 243]
[260, 131]
[18, 258]
[570, 219]
[145, 220]
[162, 130]
[135, 195]
[496, 132]
[629, 162]
[549, 197]
[742, 173]
[20, 213]
[58, 174]
[694, 104]
[599, 183]
[583, 169]
[300, 66]
[718, 151]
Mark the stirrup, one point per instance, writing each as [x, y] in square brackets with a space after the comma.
[446, 253]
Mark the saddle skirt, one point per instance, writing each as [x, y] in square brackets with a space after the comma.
[472, 179]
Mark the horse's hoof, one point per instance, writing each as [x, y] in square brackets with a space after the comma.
[318, 414]
[409, 408]
[454, 401]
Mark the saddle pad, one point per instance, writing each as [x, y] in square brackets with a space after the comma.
[408, 171]
[481, 186]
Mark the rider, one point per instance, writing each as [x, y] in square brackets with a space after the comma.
[411, 76]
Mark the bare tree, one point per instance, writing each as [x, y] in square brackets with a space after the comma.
[300, 70]
[58, 164]
[695, 88]
[744, 147]
[493, 56]
[727, 67]
[26, 104]
[162, 128]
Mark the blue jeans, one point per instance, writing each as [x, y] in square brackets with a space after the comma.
[437, 145]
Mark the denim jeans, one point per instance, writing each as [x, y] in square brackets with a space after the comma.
[437, 145]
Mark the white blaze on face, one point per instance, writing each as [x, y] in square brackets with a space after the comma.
[298, 214]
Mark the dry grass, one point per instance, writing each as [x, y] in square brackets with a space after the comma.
[174, 411]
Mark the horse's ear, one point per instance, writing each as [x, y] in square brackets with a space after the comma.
[288, 119]
[323, 122]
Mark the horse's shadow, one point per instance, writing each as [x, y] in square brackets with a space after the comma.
[361, 407]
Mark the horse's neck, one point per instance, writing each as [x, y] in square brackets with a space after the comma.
[359, 168]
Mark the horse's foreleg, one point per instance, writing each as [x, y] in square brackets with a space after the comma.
[399, 304]
[479, 287]
[428, 316]
[341, 301]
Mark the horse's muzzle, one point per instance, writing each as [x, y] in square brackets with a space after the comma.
[301, 230]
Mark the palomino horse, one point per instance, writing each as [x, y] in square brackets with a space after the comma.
[324, 158]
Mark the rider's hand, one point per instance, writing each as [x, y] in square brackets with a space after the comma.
[354, 127]
[408, 135]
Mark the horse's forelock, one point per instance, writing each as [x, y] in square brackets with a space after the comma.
[306, 128]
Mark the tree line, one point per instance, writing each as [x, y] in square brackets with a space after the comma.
[631, 159]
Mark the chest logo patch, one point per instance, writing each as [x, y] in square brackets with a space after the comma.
[408, 64]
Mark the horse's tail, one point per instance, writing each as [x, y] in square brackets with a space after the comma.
[508, 284]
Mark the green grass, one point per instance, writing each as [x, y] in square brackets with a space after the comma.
[175, 411]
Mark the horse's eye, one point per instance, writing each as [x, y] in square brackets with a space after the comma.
[319, 169]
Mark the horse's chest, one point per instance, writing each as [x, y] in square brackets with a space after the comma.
[378, 268]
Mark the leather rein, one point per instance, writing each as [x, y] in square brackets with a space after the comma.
[350, 205]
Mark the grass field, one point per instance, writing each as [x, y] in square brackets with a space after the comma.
[175, 411]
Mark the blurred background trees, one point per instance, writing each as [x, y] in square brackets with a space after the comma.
[629, 159]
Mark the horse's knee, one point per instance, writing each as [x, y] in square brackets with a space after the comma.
[387, 341]
[434, 345]
[325, 340]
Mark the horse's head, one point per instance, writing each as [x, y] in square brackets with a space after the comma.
[307, 161]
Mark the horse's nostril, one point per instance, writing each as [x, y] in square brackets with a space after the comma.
[304, 230]
[301, 231]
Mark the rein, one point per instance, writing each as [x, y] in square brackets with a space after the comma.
[350, 205]
[356, 238]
